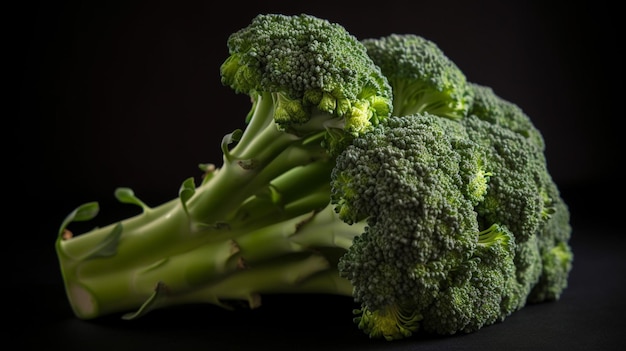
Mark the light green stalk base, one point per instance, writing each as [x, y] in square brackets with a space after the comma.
[148, 269]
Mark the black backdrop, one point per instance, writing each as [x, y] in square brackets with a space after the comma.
[128, 94]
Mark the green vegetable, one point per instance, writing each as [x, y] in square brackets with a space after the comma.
[372, 169]
[423, 78]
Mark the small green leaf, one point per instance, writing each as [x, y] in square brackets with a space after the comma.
[127, 196]
[270, 195]
[82, 213]
[228, 139]
[187, 190]
[108, 246]
[153, 302]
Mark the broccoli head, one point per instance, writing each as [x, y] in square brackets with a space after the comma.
[413, 180]
[475, 293]
[310, 68]
[455, 212]
[492, 108]
[515, 196]
[556, 254]
[423, 78]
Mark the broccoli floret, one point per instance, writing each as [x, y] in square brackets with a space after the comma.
[423, 78]
[455, 212]
[515, 194]
[398, 147]
[523, 196]
[492, 108]
[314, 72]
[556, 253]
[410, 179]
[475, 293]
[248, 227]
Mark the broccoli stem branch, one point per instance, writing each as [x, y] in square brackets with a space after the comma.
[262, 154]
[295, 255]
[224, 241]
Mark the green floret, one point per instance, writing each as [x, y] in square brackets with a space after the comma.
[410, 180]
[439, 255]
[397, 147]
[492, 108]
[311, 69]
[423, 78]
[529, 268]
[538, 214]
[475, 293]
[515, 195]
[556, 253]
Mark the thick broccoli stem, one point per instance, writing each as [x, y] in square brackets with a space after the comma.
[264, 170]
[263, 154]
[295, 255]
[214, 201]
[294, 192]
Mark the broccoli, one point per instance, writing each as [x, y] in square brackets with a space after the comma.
[370, 168]
[423, 78]
[490, 107]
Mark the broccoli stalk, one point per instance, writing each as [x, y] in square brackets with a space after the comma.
[116, 269]
[261, 222]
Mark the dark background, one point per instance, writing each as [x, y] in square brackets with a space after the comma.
[116, 94]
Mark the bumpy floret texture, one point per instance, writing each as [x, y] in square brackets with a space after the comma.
[475, 293]
[423, 78]
[523, 196]
[407, 180]
[556, 253]
[492, 108]
[459, 233]
[515, 195]
[411, 181]
[370, 175]
[309, 62]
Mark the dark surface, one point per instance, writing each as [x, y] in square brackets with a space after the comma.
[128, 94]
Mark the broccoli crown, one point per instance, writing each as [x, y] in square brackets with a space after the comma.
[556, 254]
[492, 108]
[423, 78]
[515, 195]
[406, 156]
[455, 212]
[310, 65]
[528, 270]
[410, 179]
[522, 195]
[475, 294]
